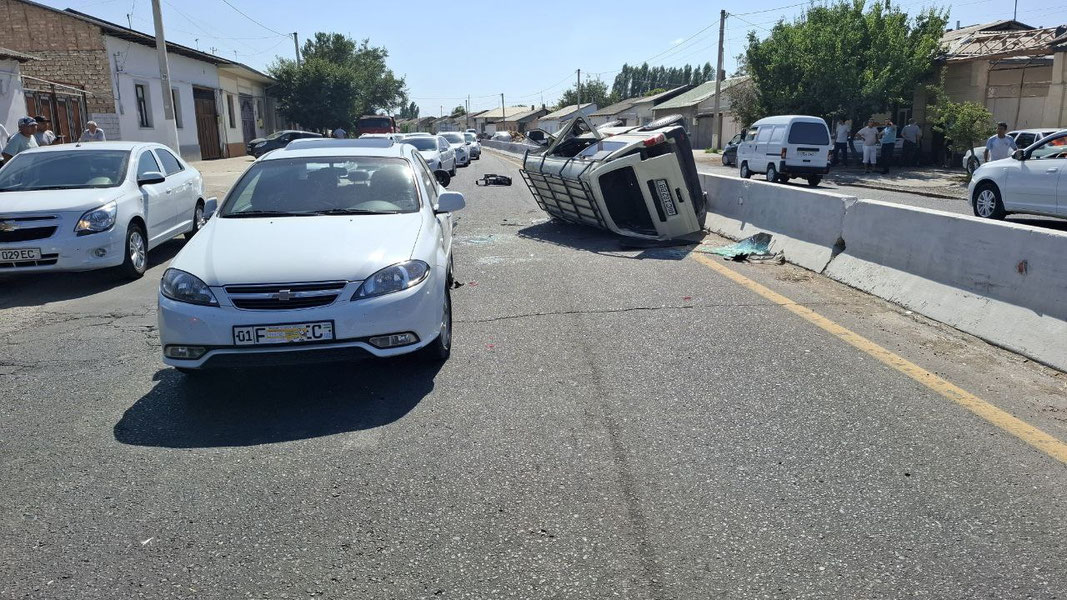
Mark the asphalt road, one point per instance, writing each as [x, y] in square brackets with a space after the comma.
[613, 423]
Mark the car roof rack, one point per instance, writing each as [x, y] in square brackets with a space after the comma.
[309, 143]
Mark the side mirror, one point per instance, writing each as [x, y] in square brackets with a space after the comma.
[210, 206]
[442, 177]
[1019, 155]
[450, 202]
[151, 177]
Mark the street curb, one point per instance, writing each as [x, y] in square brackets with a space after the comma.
[903, 190]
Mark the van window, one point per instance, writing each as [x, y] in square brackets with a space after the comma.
[764, 134]
[813, 134]
[777, 133]
[750, 135]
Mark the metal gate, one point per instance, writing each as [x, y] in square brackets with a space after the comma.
[63, 105]
[248, 118]
[207, 123]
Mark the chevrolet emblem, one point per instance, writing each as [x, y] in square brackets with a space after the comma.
[283, 295]
[6, 226]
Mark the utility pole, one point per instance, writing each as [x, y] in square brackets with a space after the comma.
[716, 119]
[467, 113]
[503, 115]
[170, 128]
[1015, 14]
[579, 88]
[296, 46]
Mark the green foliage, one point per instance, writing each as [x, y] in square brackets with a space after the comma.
[845, 58]
[634, 81]
[410, 111]
[655, 91]
[338, 81]
[964, 124]
[593, 90]
[459, 111]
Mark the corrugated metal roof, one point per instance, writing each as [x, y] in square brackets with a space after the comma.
[566, 111]
[983, 43]
[509, 112]
[697, 95]
[19, 56]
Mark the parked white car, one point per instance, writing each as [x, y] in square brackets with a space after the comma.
[474, 147]
[459, 145]
[1032, 181]
[333, 250]
[973, 158]
[396, 137]
[79, 207]
[785, 147]
[437, 155]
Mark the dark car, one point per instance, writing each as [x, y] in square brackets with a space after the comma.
[279, 139]
[729, 153]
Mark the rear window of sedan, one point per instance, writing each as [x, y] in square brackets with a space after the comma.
[422, 143]
[455, 138]
[324, 185]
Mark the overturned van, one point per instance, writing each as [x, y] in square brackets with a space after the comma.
[635, 181]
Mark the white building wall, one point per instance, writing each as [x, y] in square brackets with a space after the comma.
[12, 100]
[133, 64]
[233, 86]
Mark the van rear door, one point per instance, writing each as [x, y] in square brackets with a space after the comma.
[807, 144]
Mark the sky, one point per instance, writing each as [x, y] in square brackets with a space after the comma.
[529, 51]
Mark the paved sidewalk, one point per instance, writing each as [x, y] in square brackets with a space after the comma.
[221, 173]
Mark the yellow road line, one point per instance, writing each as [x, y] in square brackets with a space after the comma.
[1021, 429]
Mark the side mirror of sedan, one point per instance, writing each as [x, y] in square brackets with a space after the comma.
[442, 177]
[450, 202]
[210, 206]
[151, 177]
[1019, 155]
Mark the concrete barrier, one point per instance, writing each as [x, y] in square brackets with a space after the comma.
[1002, 282]
[805, 223]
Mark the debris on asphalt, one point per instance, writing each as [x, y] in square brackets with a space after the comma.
[493, 179]
[756, 249]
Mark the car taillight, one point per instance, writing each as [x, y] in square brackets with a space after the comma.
[783, 152]
[659, 138]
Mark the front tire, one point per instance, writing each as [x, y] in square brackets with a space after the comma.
[972, 165]
[744, 171]
[725, 161]
[136, 248]
[198, 220]
[772, 174]
[441, 348]
[452, 173]
[987, 202]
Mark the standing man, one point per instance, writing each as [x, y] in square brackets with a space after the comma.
[93, 133]
[869, 135]
[44, 135]
[912, 136]
[340, 133]
[23, 140]
[841, 142]
[889, 144]
[997, 146]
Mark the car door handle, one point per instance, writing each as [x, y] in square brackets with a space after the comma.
[1052, 169]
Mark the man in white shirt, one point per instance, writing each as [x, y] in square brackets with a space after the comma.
[1000, 145]
[23, 140]
[912, 136]
[841, 142]
[869, 135]
[44, 135]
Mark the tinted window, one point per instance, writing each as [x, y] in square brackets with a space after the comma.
[64, 170]
[422, 143]
[1024, 140]
[455, 138]
[302, 186]
[147, 164]
[814, 134]
[170, 163]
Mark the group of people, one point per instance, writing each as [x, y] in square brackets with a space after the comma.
[35, 132]
[874, 139]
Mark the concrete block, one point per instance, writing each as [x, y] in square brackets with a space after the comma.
[805, 223]
[1003, 282]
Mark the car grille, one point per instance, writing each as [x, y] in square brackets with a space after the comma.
[284, 296]
[26, 232]
[46, 260]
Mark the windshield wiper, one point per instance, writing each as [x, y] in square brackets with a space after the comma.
[353, 211]
[266, 213]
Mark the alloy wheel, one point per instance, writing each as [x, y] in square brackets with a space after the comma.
[986, 203]
[138, 254]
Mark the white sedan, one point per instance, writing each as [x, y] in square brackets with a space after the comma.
[459, 146]
[438, 154]
[324, 250]
[1032, 181]
[78, 207]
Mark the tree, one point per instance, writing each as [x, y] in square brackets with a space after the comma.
[338, 81]
[634, 81]
[411, 111]
[963, 123]
[845, 58]
[593, 90]
[459, 111]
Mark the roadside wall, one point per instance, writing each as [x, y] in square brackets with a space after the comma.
[1003, 282]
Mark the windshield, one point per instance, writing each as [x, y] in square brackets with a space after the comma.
[422, 143]
[64, 170]
[470, 137]
[324, 185]
[455, 138]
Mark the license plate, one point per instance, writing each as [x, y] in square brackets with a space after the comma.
[20, 254]
[802, 153]
[288, 333]
[664, 192]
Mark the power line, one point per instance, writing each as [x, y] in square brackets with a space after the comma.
[240, 12]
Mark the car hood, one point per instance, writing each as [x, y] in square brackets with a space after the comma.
[57, 200]
[298, 249]
[255, 141]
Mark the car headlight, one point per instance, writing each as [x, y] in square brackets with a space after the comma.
[186, 287]
[393, 278]
[98, 219]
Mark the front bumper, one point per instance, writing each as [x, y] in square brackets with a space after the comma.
[66, 251]
[416, 310]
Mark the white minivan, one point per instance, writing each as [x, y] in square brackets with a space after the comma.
[785, 147]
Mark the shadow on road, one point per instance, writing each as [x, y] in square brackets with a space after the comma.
[264, 406]
[35, 289]
[589, 239]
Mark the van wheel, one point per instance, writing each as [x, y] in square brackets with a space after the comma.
[772, 173]
[745, 172]
[987, 203]
[814, 180]
[136, 249]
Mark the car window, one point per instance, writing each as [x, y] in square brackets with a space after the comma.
[442, 144]
[750, 135]
[814, 134]
[147, 164]
[736, 139]
[469, 137]
[1025, 139]
[314, 185]
[764, 134]
[422, 143]
[777, 133]
[1055, 148]
[168, 161]
[65, 170]
[429, 182]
